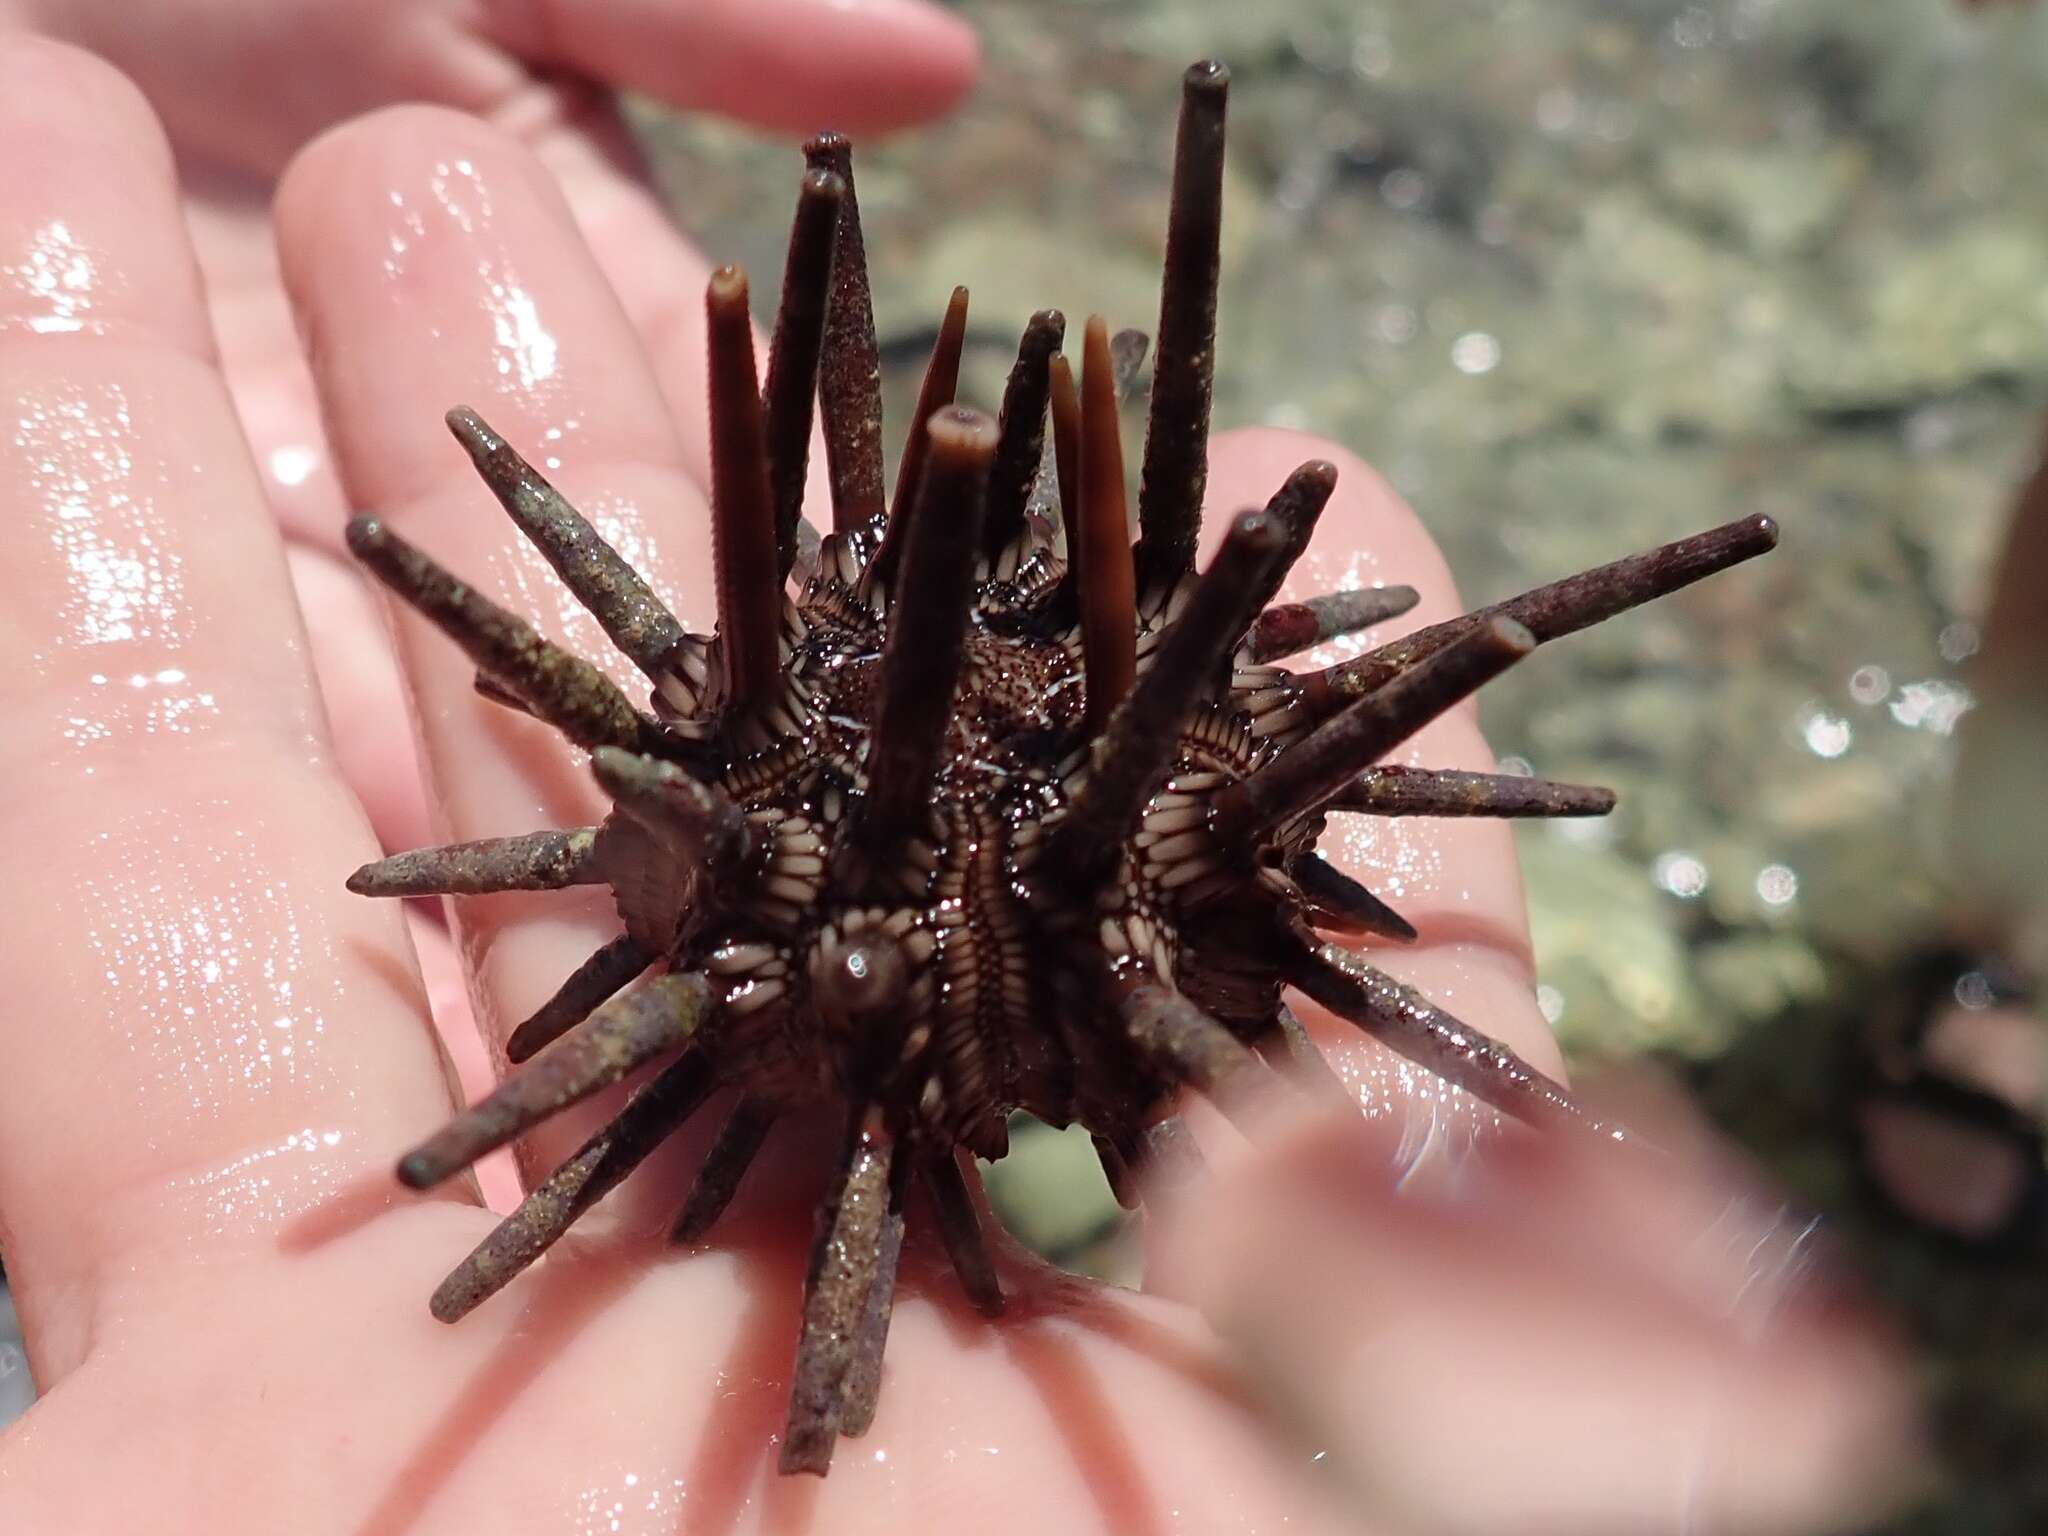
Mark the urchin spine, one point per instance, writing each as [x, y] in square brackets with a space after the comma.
[1001, 812]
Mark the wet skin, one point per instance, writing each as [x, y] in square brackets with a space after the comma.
[214, 1052]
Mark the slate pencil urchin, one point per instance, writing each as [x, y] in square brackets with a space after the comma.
[1003, 812]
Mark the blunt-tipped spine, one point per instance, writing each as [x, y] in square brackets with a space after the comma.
[743, 532]
[732, 1153]
[1188, 1046]
[1288, 629]
[1341, 902]
[651, 1115]
[1118, 1172]
[589, 985]
[557, 686]
[1022, 447]
[1561, 608]
[793, 353]
[623, 1034]
[850, 371]
[1403, 1019]
[936, 390]
[845, 1260]
[1290, 1042]
[960, 1229]
[1393, 790]
[538, 861]
[1322, 763]
[1133, 751]
[1176, 471]
[1295, 508]
[1102, 555]
[637, 621]
[696, 819]
[861, 1393]
[927, 630]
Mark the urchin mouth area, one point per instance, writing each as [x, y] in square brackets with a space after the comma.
[997, 810]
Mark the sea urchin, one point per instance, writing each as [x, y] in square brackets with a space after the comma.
[1004, 812]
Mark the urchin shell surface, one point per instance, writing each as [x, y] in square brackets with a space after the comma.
[972, 805]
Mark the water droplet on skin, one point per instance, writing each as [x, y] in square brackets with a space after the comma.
[55, 282]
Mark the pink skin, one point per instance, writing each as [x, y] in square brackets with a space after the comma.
[243, 84]
[214, 1053]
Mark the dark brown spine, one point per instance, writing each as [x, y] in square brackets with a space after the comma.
[1022, 448]
[850, 375]
[1329, 757]
[742, 512]
[1176, 472]
[1109, 604]
[793, 353]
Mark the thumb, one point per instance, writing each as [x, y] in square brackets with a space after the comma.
[1574, 1339]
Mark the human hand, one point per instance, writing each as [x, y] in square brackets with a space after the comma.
[213, 1052]
[243, 86]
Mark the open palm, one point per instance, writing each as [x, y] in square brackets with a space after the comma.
[213, 1052]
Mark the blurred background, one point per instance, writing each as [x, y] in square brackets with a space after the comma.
[1580, 276]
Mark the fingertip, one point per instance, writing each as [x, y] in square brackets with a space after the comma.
[41, 77]
[788, 66]
[92, 237]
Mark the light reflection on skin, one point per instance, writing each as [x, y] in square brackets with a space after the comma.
[266, 1187]
[55, 282]
[124, 580]
[228, 1003]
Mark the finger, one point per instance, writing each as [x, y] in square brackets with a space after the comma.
[433, 262]
[658, 275]
[363, 694]
[1456, 880]
[229, 219]
[789, 66]
[272, 387]
[1680, 1372]
[203, 1033]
